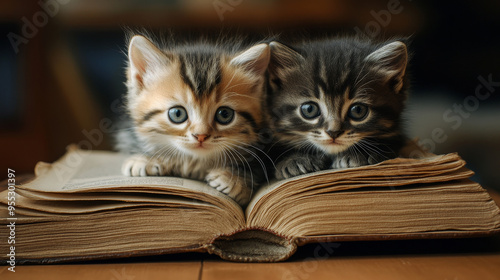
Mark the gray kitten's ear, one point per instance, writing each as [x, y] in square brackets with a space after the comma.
[255, 59]
[144, 57]
[283, 60]
[390, 62]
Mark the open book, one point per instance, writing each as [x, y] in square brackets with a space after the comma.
[82, 208]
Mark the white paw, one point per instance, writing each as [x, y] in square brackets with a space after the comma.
[230, 184]
[348, 162]
[138, 165]
[296, 166]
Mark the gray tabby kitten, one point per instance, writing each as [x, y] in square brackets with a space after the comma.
[336, 103]
[195, 112]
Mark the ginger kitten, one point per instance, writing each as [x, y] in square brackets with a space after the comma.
[195, 112]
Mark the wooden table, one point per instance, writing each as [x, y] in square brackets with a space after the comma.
[409, 259]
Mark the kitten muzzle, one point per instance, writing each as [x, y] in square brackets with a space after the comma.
[201, 137]
[334, 134]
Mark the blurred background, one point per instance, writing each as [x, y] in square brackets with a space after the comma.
[62, 65]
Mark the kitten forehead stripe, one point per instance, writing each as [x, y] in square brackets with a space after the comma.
[215, 76]
[317, 77]
[184, 75]
[322, 71]
[201, 71]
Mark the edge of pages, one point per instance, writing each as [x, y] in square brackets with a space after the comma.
[262, 245]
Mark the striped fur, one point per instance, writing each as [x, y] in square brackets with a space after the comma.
[201, 78]
[336, 75]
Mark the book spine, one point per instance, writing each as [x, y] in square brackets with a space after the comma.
[252, 245]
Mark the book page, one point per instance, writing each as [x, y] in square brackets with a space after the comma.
[443, 206]
[80, 170]
[93, 173]
[389, 173]
[91, 206]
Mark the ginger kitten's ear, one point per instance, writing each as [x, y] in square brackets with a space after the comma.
[283, 60]
[144, 58]
[390, 61]
[255, 59]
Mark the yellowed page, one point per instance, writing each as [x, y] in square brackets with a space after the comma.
[449, 206]
[390, 173]
[80, 171]
[89, 176]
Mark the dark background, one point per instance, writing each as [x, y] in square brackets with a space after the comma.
[63, 80]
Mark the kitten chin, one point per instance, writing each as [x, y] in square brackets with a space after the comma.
[330, 146]
[339, 99]
[192, 149]
[195, 112]
[201, 152]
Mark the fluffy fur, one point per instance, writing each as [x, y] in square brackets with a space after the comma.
[196, 111]
[336, 103]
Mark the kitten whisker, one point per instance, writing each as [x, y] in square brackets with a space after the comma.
[254, 147]
[146, 151]
[276, 142]
[261, 162]
[356, 150]
[231, 157]
[240, 156]
[286, 151]
[370, 148]
[376, 144]
[359, 73]
[241, 159]
[358, 86]
[249, 169]
[161, 154]
[232, 77]
[231, 94]
[232, 86]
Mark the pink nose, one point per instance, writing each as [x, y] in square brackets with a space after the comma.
[201, 137]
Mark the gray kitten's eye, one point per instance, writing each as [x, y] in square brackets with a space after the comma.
[310, 110]
[224, 115]
[177, 114]
[358, 112]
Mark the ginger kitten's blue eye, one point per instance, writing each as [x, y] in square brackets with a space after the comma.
[358, 112]
[177, 114]
[224, 115]
[310, 110]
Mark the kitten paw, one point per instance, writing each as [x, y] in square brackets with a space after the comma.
[140, 166]
[349, 162]
[294, 166]
[231, 185]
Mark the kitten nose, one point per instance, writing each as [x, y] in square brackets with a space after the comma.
[201, 137]
[334, 134]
